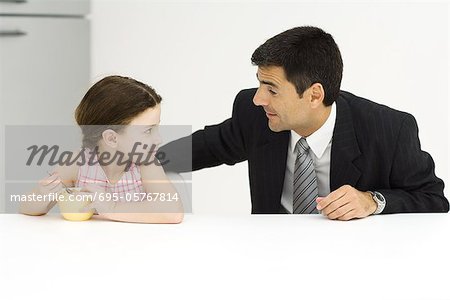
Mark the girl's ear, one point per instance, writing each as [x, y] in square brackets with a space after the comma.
[110, 138]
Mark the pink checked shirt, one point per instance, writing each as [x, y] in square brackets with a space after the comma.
[130, 182]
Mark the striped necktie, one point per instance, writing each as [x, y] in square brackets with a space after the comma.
[305, 180]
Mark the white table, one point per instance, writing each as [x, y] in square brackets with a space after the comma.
[227, 257]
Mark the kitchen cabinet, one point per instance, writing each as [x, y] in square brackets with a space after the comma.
[44, 63]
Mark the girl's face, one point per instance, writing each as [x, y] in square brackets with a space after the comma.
[142, 129]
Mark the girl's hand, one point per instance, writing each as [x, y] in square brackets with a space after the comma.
[50, 184]
[100, 202]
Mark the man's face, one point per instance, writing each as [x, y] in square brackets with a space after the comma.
[285, 109]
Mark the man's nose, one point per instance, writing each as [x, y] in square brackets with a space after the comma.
[259, 99]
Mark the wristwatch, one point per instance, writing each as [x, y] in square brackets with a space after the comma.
[379, 200]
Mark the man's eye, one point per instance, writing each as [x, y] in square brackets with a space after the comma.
[272, 92]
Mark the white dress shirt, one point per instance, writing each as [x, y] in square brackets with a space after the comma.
[320, 150]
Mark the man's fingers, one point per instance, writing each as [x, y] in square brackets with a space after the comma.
[335, 205]
[345, 203]
[333, 196]
[340, 212]
[348, 216]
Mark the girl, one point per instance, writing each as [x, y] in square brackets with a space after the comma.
[132, 111]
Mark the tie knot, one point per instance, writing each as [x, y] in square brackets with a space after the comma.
[302, 146]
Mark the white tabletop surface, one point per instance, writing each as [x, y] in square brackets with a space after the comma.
[227, 257]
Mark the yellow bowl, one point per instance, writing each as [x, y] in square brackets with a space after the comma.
[70, 204]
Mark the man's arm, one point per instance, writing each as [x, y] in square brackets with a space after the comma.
[415, 186]
[223, 143]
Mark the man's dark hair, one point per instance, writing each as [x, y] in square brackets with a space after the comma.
[308, 55]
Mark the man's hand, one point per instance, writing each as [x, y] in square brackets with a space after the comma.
[346, 203]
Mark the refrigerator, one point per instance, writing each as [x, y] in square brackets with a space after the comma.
[44, 64]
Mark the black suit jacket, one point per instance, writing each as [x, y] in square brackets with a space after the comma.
[373, 147]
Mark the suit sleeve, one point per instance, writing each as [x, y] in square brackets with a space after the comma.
[415, 187]
[212, 146]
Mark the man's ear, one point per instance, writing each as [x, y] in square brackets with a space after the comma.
[317, 94]
[110, 138]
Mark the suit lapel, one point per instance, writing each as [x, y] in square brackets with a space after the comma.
[272, 156]
[344, 149]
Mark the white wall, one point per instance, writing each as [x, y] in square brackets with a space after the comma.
[197, 56]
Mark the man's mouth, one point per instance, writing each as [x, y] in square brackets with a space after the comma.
[270, 114]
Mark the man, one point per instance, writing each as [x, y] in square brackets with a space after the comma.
[313, 148]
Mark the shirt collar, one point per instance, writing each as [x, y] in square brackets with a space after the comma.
[318, 140]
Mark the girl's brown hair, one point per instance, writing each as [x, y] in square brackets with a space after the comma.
[113, 101]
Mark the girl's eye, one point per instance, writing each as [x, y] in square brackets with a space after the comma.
[148, 130]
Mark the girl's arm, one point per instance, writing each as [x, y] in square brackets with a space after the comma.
[50, 184]
[157, 210]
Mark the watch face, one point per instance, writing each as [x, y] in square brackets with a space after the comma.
[381, 202]
[379, 197]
